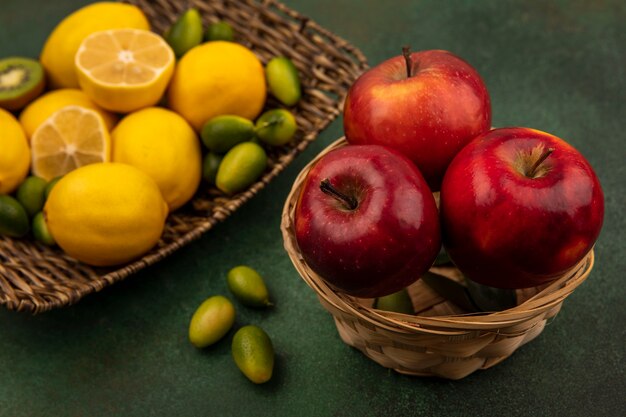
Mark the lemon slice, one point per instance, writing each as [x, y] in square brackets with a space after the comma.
[72, 137]
[124, 70]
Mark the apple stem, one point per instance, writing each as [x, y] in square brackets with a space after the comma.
[544, 155]
[327, 188]
[406, 52]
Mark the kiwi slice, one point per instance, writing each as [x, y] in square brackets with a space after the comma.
[21, 80]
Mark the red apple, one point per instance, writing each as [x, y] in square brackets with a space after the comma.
[519, 207]
[427, 105]
[366, 221]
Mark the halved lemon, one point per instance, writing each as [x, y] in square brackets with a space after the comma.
[124, 70]
[72, 137]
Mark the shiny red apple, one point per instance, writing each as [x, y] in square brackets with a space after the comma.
[427, 105]
[519, 207]
[366, 221]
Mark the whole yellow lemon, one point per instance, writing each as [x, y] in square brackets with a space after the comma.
[217, 78]
[14, 153]
[45, 106]
[57, 56]
[106, 214]
[163, 145]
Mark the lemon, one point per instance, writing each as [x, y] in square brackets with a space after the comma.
[43, 107]
[72, 137]
[105, 214]
[163, 145]
[14, 154]
[57, 56]
[217, 78]
[124, 70]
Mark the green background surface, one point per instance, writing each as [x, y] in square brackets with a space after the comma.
[555, 66]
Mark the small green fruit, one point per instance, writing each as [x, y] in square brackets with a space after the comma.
[442, 258]
[253, 353]
[222, 133]
[210, 166]
[185, 33]
[283, 80]
[241, 167]
[399, 302]
[248, 286]
[211, 321]
[31, 194]
[50, 186]
[220, 31]
[276, 127]
[40, 230]
[13, 217]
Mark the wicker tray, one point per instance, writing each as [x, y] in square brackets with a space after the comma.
[441, 339]
[36, 278]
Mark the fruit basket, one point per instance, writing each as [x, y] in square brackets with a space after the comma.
[36, 278]
[441, 339]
